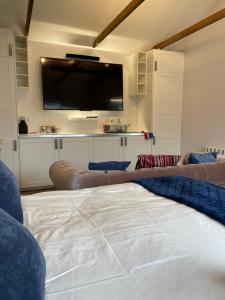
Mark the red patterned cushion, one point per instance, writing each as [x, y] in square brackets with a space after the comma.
[151, 161]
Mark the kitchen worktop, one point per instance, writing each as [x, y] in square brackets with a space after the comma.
[77, 135]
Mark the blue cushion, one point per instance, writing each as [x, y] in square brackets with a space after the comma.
[10, 200]
[22, 264]
[202, 158]
[109, 165]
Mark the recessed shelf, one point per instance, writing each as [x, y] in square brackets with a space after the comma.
[21, 61]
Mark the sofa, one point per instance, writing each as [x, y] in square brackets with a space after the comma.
[66, 176]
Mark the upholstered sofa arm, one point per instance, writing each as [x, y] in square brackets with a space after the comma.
[66, 176]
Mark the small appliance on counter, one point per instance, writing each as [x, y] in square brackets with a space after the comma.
[115, 127]
[22, 126]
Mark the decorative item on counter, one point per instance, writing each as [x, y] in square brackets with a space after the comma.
[22, 126]
[45, 129]
[148, 135]
[115, 126]
[55, 129]
[49, 129]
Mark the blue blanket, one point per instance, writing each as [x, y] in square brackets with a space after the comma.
[200, 195]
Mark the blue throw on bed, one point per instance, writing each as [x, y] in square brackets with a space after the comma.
[200, 195]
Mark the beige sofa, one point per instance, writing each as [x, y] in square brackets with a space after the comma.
[66, 176]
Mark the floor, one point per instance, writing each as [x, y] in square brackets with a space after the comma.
[31, 192]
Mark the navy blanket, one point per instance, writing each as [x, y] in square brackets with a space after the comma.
[200, 195]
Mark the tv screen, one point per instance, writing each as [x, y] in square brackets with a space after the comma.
[81, 85]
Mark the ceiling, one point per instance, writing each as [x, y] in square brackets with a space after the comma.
[80, 21]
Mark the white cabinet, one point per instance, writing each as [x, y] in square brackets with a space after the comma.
[160, 110]
[134, 146]
[36, 156]
[5, 43]
[8, 118]
[76, 150]
[107, 148]
[120, 148]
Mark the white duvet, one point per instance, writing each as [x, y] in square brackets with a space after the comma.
[121, 242]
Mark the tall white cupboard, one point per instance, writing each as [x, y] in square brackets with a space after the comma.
[159, 110]
[8, 115]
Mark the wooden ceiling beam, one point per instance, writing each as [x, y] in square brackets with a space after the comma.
[195, 27]
[119, 19]
[29, 15]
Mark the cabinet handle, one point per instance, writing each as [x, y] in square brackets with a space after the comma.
[61, 143]
[156, 66]
[14, 145]
[154, 140]
[56, 143]
[10, 49]
[121, 141]
[125, 141]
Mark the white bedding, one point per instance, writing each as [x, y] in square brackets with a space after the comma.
[121, 242]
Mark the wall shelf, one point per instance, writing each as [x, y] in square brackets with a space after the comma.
[83, 118]
[22, 79]
[138, 83]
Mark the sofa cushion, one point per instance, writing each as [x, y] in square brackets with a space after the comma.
[201, 158]
[10, 199]
[22, 264]
[152, 161]
[109, 165]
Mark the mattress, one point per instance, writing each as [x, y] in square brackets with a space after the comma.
[121, 242]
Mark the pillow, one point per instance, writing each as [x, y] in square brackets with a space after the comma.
[152, 161]
[109, 165]
[22, 264]
[198, 158]
[10, 200]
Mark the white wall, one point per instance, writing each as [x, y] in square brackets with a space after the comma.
[30, 100]
[204, 88]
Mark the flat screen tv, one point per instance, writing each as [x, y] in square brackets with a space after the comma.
[70, 84]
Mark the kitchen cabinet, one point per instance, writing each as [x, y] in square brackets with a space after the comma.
[120, 148]
[37, 154]
[76, 150]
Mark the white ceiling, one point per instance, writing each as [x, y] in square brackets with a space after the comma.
[80, 21]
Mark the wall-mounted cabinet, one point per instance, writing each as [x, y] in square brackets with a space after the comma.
[138, 76]
[22, 79]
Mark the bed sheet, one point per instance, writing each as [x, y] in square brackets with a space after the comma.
[121, 242]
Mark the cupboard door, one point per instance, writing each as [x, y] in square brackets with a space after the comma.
[8, 117]
[36, 156]
[107, 149]
[9, 155]
[133, 146]
[167, 102]
[76, 150]
[4, 44]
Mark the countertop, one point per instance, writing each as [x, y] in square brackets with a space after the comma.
[77, 135]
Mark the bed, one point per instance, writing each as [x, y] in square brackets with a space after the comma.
[123, 242]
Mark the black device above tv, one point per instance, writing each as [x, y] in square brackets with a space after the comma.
[70, 84]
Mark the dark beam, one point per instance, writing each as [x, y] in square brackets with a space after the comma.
[120, 18]
[195, 27]
[28, 19]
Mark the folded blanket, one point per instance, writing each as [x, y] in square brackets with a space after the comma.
[203, 196]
